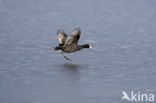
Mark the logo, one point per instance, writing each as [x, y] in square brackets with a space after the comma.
[137, 96]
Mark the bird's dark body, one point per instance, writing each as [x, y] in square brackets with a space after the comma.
[69, 44]
[71, 48]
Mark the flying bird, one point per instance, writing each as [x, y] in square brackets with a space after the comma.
[69, 44]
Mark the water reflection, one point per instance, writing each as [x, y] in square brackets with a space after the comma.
[70, 66]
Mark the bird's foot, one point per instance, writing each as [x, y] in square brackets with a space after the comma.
[66, 56]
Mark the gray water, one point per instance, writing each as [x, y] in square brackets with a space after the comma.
[123, 58]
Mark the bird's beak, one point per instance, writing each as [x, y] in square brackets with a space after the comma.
[90, 46]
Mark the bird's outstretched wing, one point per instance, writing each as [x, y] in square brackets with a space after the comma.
[62, 36]
[74, 36]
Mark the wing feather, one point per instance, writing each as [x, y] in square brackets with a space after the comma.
[62, 36]
[74, 36]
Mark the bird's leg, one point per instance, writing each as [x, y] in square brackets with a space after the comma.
[65, 56]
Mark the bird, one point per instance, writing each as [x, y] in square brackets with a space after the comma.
[69, 44]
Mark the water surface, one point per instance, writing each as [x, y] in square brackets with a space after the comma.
[121, 32]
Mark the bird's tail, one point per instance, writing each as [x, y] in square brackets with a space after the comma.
[57, 48]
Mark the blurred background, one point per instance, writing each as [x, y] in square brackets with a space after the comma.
[123, 57]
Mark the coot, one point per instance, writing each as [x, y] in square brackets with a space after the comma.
[69, 44]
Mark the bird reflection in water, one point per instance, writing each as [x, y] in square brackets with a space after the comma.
[70, 66]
